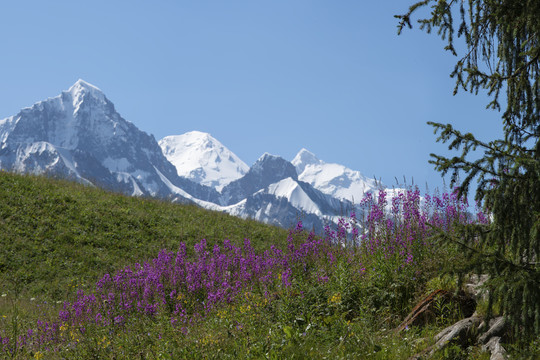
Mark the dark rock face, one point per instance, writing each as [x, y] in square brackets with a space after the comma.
[267, 170]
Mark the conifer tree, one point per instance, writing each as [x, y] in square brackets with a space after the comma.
[501, 41]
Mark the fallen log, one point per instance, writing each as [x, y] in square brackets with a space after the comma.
[495, 348]
[421, 310]
[460, 330]
[425, 311]
[497, 327]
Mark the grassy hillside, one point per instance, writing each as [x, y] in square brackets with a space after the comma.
[55, 233]
[282, 295]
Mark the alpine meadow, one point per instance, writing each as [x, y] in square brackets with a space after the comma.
[116, 246]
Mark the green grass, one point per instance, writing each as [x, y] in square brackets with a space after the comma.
[56, 235]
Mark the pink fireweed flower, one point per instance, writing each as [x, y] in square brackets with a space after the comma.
[286, 278]
[119, 320]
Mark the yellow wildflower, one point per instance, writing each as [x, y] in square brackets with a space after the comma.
[336, 298]
[104, 343]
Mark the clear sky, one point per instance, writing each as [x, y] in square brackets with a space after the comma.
[260, 76]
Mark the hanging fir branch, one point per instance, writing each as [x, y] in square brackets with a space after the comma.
[502, 54]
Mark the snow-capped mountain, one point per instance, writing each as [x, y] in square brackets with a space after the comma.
[332, 179]
[271, 192]
[79, 135]
[203, 159]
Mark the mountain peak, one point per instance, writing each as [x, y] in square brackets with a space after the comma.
[81, 88]
[203, 159]
[203, 139]
[81, 84]
[273, 166]
[267, 157]
[333, 179]
[194, 138]
[303, 159]
[199, 134]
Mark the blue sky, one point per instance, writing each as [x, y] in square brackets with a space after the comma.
[260, 76]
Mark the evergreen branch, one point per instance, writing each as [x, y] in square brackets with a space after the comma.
[522, 68]
[448, 131]
[444, 164]
[406, 18]
[506, 34]
[451, 238]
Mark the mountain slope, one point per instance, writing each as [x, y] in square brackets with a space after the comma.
[56, 232]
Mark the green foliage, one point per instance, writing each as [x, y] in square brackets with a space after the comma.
[502, 52]
[57, 236]
[444, 282]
